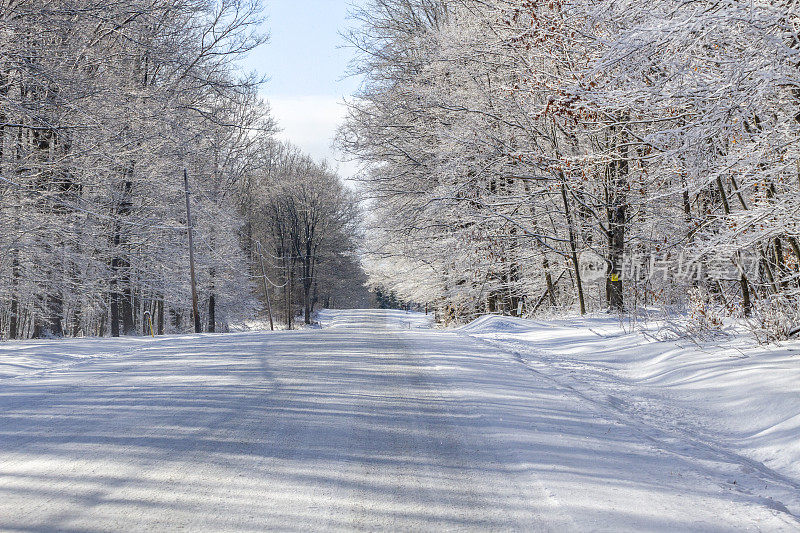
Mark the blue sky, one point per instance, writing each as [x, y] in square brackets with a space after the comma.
[306, 64]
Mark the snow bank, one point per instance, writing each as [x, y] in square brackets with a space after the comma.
[30, 357]
[731, 392]
[22, 358]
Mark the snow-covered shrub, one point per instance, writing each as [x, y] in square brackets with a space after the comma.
[705, 318]
[774, 318]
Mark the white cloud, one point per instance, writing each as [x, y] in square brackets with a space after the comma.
[310, 122]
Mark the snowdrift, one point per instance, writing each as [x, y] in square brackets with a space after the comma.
[732, 392]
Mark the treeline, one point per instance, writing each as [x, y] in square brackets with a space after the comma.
[103, 105]
[306, 228]
[574, 155]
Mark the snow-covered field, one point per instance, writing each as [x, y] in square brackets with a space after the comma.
[376, 423]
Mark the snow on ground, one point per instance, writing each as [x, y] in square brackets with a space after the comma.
[730, 393]
[386, 319]
[21, 358]
[371, 423]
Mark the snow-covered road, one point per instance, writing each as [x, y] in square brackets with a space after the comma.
[371, 423]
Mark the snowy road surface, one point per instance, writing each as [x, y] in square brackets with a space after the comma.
[372, 423]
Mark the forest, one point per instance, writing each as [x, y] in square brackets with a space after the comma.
[526, 157]
[516, 157]
[105, 106]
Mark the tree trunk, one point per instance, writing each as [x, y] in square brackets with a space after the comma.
[160, 313]
[548, 278]
[13, 319]
[307, 303]
[101, 326]
[307, 291]
[76, 320]
[573, 247]
[36, 331]
[289, 289]
[127, 308]
[114, 303]
[121, 307]
[212, 320]
[55, 311]
[314, 297]
[616, 200]
[743, 281]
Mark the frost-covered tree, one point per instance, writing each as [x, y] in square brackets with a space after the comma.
[504, 142]
[101, 107]
[304, 221]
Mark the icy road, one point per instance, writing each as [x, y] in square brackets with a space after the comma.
[371, 423]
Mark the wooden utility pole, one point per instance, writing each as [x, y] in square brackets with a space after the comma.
[266, 289]
[197, 326]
